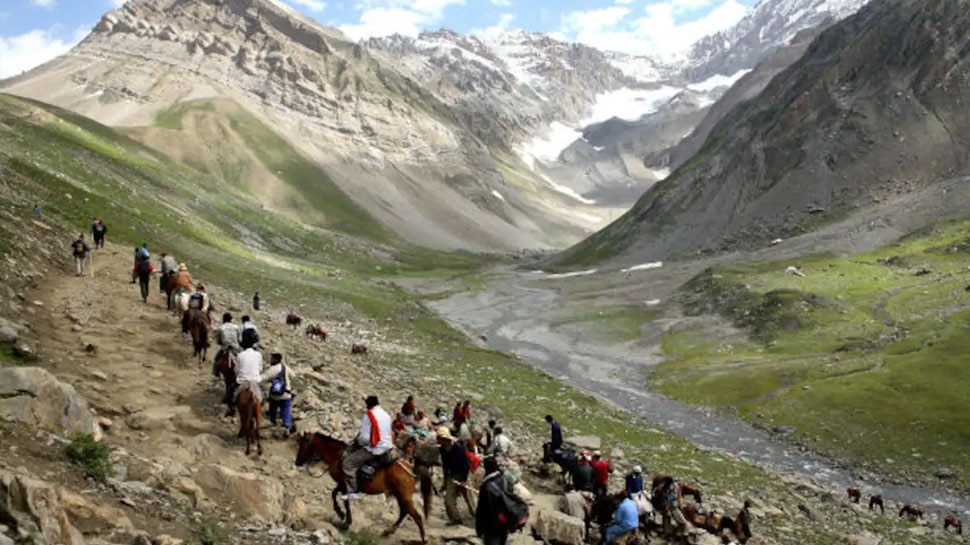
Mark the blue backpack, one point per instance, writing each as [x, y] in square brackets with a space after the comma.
[278, 386]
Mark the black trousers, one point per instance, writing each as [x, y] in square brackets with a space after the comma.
[496, 539]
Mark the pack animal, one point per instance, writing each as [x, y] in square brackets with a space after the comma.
[685, 489]
[293, 320]
[358, 348]
[316, 331]
[199, 328]
[952, 520]
[250, 419]
[911, 511]
[855, 495]
[876, 501]
[396, 480]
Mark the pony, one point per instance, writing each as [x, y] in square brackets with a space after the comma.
[397, 479]
[226, 367]
[199, 328]
[316, 331]
[740, 526]
[567, 460]
[172, 291]
[685, 489]
[854, 494]
[250, 419]
[293, 320]
[911, 511]
[424, 455]
[358, 348]
[876, 501]
[952, 520]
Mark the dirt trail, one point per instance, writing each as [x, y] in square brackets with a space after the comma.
[127, 357]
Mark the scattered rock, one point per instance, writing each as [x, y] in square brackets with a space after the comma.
[36, 508]
[35, 397]
[251, 495]
[91, 517]
[165, 539]
[784, 430]
[155, 418]
[24, 351]
[588, 442]
[944, 473]
[555, 527]
[8, 331]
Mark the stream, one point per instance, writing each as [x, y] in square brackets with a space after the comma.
[509, 313]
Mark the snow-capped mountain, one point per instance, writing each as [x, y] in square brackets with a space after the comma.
[770, 25]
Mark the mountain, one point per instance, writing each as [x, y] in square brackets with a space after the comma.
[875, 109]
[495, 142]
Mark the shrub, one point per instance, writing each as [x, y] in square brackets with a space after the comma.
[91, 456]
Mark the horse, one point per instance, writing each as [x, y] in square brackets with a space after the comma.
[566, 459]
[316, 331]
[952, 520]
[854, 494]
[685, 489]
[199, 328]
[226, 367]
[911, 511]
[396, 480]
[250, 419]
[875, 501]
[358, 348]
[171, 289]
[739, 526]
[293, 320]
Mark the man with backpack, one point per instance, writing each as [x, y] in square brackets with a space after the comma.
[250, 335]
[280, 392]
[98, 230]
[80, 251]
[499, 510]
[143, 270]
[456, 466]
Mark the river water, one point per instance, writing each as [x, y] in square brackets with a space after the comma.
[510, 314]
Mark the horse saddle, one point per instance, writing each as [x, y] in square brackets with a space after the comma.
[368, 470]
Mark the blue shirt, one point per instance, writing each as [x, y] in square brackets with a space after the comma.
[627, 517]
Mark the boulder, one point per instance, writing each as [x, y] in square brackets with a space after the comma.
[155, 418]
[555, 527]
[250, 495]
[9, 331]
[36, 507]
[35, 397]
[90, 517]
[584, 442]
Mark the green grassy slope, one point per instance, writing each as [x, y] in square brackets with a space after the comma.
[47, 154]
[868, 356]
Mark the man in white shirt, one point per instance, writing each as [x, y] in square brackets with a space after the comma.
[249, 367]
[501, 444]
[373, 441]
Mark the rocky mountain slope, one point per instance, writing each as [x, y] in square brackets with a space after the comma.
[875, 109]
[178, 471]
[446, 140]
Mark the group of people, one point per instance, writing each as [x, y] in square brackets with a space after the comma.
[80, 250]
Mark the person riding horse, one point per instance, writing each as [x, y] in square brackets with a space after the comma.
[249, 367]
[169, 269]
[373, 442]
[228, 338]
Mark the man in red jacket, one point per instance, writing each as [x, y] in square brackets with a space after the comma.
[601, 474]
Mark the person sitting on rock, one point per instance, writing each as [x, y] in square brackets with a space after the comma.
[625, 520]
[422, 422]
[373, 441]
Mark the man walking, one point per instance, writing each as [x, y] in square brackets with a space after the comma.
[98, 230]
[80, 251]
[280, 392]
[456, 466]
[491, 505]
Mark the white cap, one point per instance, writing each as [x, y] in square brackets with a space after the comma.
[637, 469]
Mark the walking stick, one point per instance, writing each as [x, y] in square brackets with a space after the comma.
[91, 263]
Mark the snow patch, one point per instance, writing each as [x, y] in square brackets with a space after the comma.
[549, 146]
[628, 104]
[568, 191]
[644, 267]
[498, 195]
[717, 80]
[573, 274]
[660, 173]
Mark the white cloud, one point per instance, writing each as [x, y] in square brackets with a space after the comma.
[25, 51]
[503, 24]
[654, 31]
[503, 3]
[43, 3]
[405, 17]
[312, 5]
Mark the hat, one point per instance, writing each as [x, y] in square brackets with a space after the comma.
[637, 469]
[182, 267]
[597, 453]
[443, 433]
[371, 401]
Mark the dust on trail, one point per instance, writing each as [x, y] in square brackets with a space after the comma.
[125, 357]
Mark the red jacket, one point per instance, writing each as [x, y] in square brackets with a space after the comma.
[601, 468]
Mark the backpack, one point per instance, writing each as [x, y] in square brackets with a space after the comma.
[78, 248]
[249, 338]
[278, 386]
[513, 512]
[196, 301]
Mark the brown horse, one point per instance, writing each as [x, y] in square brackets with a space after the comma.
[226, 367]
[316, 331]
[250, 419]
[199, 328]
[952, 520]
[358, 348]
[854, 494]
[911, 511]
[685, 489]
[293, 320]
[396, 480]
[876, 501]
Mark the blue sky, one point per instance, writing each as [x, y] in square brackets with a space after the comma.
[34, 31]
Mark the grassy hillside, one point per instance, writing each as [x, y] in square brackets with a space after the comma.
[866, 356]
[77, 169]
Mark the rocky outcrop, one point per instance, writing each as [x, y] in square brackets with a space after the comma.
[559, 528]
[251, 495]
[91, 517]
[35, 397]
[35, 511]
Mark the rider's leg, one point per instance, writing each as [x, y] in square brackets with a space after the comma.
[351, 464]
